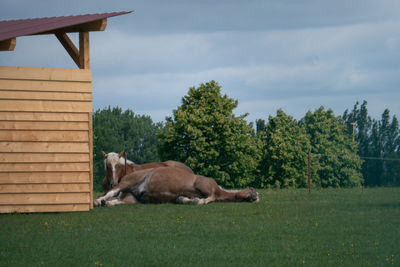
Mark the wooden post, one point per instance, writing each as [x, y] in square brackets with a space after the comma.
[90, 133]
[8, 45]
[309, 173]
[84, 58]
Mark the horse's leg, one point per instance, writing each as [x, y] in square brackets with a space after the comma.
[113, 202]
[206, 187]
[186, 200]
[203, 201]
[195, 201]
[110, 194]
[124, 199]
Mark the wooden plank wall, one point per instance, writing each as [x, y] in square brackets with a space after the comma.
[45, 140]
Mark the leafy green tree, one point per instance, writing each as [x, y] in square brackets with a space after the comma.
[359, 124]
[392, 163]
[335, 157]
[359, 120]
[206, 135]
[284, 161]
[392, 154]
[388, 146]
[261, 126]
[374, 167]
[115, 130]
[378, 142]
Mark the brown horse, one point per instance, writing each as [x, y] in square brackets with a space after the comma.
[171, 185]
[116, 167]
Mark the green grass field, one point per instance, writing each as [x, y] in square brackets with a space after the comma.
[341, 227]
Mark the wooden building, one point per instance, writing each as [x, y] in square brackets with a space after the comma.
[46, 121]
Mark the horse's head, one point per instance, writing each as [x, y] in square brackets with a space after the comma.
[114, 168]
[249, 194]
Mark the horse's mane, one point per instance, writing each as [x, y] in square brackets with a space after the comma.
[122, 161]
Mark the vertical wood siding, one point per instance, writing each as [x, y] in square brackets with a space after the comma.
[45, 140]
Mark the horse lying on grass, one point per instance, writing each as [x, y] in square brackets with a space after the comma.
[171, 185]
[116, 167]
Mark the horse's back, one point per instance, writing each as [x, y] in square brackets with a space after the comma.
[168, 163]
[177, 164]
[166, 184]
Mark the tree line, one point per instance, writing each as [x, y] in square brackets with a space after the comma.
[378, 145]
[204, 133]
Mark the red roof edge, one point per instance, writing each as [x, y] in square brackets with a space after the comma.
[15, 28]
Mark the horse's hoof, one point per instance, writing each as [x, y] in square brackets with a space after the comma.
[179, 200]
[254, 197]
[103, 203]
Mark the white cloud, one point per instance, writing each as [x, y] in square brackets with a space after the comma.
[143, 53]
[297, 56]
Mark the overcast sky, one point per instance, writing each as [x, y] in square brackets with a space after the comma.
[294, 55]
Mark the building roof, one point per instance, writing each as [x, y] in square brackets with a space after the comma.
[10, 29]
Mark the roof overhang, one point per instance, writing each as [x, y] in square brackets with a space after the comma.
[59, 26]
[11, 29]
[97, 25]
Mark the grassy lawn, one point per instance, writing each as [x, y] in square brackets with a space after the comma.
[345, 227]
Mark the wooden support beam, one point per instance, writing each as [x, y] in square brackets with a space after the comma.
[69, 46]
[81, 57]
[8, 45]
[84, 58]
